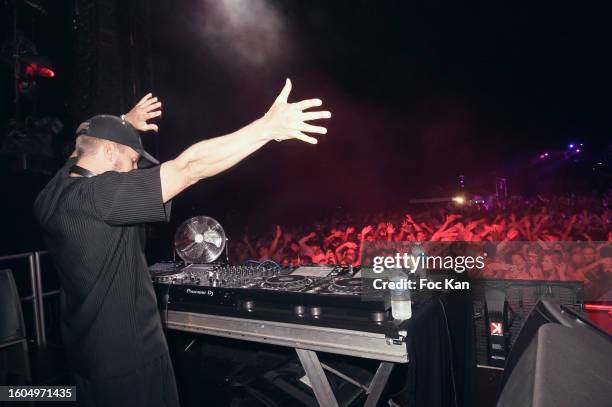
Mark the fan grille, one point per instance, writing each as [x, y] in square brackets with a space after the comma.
[200, 239]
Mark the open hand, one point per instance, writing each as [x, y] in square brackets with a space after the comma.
[351, 245]
[287, 120]
[512, 233]
[366, 230]
[146, 109]
[406, 226]
[452, 217]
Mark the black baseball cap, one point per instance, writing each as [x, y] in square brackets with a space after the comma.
[112, 128]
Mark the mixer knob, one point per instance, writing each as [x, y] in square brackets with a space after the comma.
[316, 312]
[299, 310]
[248, 306]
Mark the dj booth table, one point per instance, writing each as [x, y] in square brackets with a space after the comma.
[425, 348]
[325, 313]
[306, 340]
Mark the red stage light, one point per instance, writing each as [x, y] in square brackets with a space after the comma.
[598, 307]
[33, 69]
[46, 72]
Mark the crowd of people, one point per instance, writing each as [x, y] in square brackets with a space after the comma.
[549, 221]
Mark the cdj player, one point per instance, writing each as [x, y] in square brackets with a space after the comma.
[310, 295]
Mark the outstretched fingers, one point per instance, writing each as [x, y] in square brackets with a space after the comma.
[151, 115]
[144, 99]
[312, 129]
[304, 127]
[283, 96]
[153, 106]
[308, 103]
[288, 120]
[307, 116]
[151, 126]
[150, 104]
[301, 136]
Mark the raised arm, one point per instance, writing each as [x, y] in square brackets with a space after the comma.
[277, 235]
[306, 249]
[209, 157]
[440, 232]
[568, 228]
[147, 108]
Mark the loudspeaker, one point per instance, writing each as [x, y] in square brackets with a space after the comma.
[544, 312]
[563, 367]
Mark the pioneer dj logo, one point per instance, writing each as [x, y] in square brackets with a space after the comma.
[200, 292]
[496, 328]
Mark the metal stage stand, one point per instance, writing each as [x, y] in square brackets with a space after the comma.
[306, 340]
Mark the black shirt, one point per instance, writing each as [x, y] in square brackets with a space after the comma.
[93, 229]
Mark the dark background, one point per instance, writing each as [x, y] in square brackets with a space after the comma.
[421, 92]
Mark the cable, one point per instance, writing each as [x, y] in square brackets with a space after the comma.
[269, 261]
[167, 300]
[450, 349]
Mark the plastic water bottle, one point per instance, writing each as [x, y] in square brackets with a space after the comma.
[401, 306]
